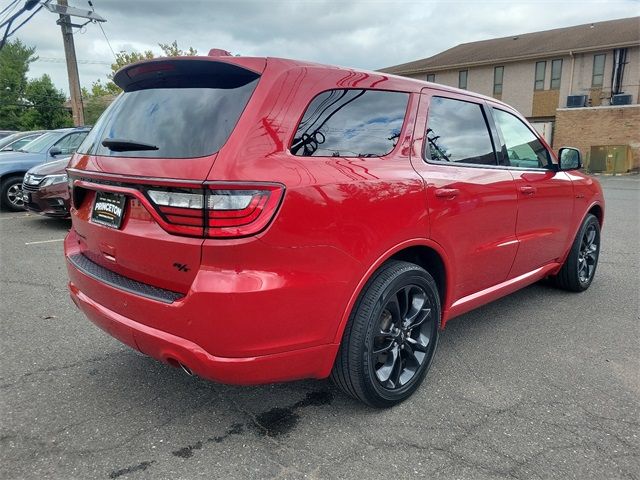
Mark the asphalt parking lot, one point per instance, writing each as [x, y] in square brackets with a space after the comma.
[541, 384]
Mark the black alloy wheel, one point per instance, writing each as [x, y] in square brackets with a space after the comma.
[403, 337]
[588, 254]
[579, 269]
[391, 336]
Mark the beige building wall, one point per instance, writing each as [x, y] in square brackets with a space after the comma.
[517, 90]
[518, 82]
[583, 73]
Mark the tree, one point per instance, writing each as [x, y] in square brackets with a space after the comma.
[95, 101]
[172, 50]
[46, 106]
[15, 58]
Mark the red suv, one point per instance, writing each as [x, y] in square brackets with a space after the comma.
[260, 220]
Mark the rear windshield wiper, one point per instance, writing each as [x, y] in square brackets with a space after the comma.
[125, 145]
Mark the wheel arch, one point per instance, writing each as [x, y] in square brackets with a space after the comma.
[17, 173]
[597, 210]
[423, 252]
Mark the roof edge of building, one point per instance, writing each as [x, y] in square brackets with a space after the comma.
[493, 61]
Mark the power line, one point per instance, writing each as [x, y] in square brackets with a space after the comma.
[63, 60]
[103, 33]
[28, 18]
[28, 5]
[11, 7]
[108, 43]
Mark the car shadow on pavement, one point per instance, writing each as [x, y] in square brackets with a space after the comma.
[62, 224]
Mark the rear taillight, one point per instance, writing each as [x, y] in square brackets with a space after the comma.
[218, 211]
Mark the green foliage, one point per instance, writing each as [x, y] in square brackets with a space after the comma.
[172, 50]
[47, 106]
[15, 58]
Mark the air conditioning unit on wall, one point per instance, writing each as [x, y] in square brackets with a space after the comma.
[576, 101]
[621, 99]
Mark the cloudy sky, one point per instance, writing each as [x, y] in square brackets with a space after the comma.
[366, 34]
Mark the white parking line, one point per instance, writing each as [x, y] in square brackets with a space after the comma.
[45, 241]
[16, 216]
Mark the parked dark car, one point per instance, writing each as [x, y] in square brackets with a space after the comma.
[258, 220]
[18, 140]
[45, 189]
[13, 165]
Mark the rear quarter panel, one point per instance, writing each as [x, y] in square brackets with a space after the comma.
[361, 207]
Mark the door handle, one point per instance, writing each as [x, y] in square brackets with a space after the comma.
[528, 190]
[446, 192]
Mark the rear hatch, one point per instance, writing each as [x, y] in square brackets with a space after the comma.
[138, 178]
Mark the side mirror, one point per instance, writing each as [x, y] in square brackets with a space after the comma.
[53, 151]
[569, 159]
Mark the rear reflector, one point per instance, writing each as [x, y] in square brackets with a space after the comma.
[235, 210]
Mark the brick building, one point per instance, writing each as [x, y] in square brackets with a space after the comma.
[578, 86]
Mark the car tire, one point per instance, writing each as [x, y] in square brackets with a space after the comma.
[391, 336]
[11, 194]
[579, 268]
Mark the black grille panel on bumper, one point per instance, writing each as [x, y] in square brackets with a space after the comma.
[121, 282]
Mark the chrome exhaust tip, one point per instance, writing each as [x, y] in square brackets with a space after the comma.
[186, 369]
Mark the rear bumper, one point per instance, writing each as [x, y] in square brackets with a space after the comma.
[313, 362]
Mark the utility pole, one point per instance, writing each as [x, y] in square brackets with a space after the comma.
[65, 12]
[72, 67]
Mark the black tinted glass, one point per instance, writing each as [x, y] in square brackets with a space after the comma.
[180, 122]
[457, 132]
[351, 123]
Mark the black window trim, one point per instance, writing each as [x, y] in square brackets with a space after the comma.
[466, 79]
[403, 129]
[495, 70]
[483, 107]
[593, 70]
[559, 78]
[535, 75]
[503, 144]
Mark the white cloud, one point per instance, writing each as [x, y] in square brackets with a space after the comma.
[365, 34]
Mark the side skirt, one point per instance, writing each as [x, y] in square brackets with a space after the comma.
[490, 294]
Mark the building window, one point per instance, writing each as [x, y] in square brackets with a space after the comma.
[498, 74]
[598, 70]
[462, 79]
[541, 68]
[431, 77]
[556, 73]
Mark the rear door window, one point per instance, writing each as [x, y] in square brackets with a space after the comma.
[183, 109]
[351, 123]
[457, 132]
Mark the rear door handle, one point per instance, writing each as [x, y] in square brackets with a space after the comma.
[528, 190]
[446, 192]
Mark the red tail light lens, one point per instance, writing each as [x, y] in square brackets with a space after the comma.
[219, 211]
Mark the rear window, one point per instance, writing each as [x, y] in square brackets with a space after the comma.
[183, 109]
[351, 123]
